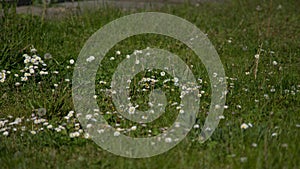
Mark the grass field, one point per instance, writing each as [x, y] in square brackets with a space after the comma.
[258, 43]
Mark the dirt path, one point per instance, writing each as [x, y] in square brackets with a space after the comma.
[61, 9]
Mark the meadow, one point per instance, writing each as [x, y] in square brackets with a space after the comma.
[258, 43]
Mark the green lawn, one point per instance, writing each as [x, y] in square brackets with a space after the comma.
[261, 125]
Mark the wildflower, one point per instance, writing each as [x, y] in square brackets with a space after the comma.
[31, 71]
[74, 134]
[33, 132]
[254, 145]
[86, 135]
[266, 96]
[244, 126]
[168, 140]
[274, 134]
[34, 61]
[88, 116]
[61, 127]
[116, 133]
[275, 63]
[120, 129]
[176, 79]
[23, 79]
[162, 73]
[27, 74]
[102, 82]
[137, 52]
[100, 131]
[258, 8]
[2, 124]
[27, 60]
[221, 117]
[41, 112]
[26, 56]
[243, 159]
[118, 52]
[131, 110]
[3, 129]
[33, 50]
[72, 61]
[256, 56]
[196, 126]
[5, 133]
[38, 121]
[47, 56]
[18, 120]
[70, 114]
[217, 106]
[57, 129]
[38, 59]
[43, 73]
[133, 128]
[89, 125]
[112, 58]
[90, 59]
[250, 125]
[2, 77]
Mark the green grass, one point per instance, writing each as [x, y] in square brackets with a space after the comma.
[237, 29]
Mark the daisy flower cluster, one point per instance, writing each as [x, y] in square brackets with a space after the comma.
[142, 84]
[12, 124]
[36, 123]
[70, 126]
[34, 66]
[3, 75]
